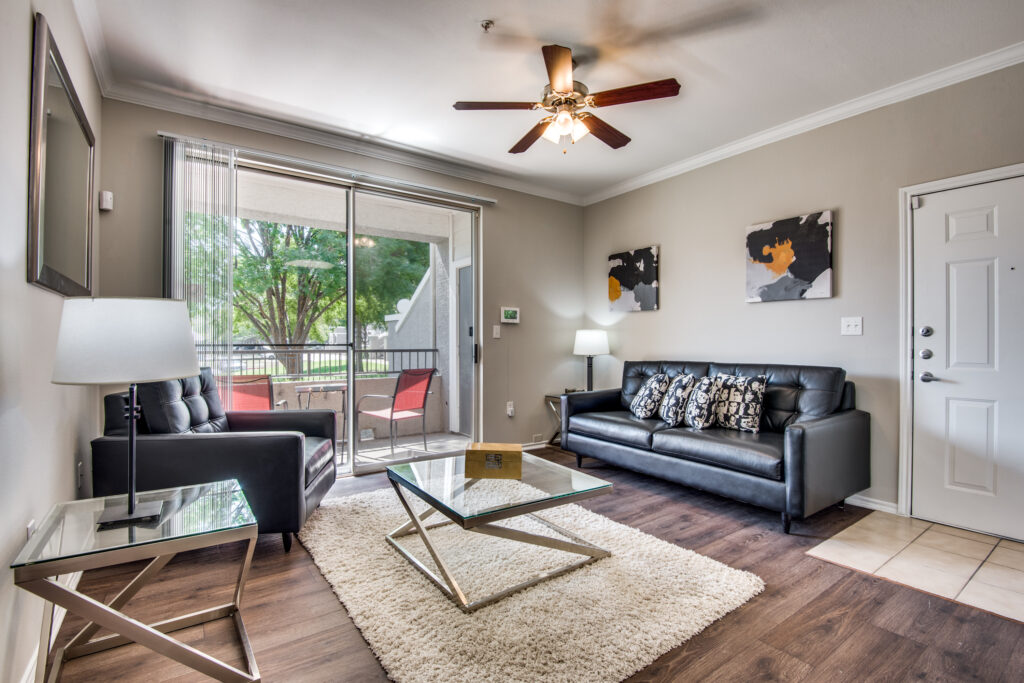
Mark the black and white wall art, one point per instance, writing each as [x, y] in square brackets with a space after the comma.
[790, 258]
[633, 280]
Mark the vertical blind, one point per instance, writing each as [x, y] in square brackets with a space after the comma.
[199, 217]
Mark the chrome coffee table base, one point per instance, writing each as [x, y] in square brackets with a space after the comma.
[446, 581]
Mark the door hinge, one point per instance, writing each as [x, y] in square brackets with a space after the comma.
[915, 202]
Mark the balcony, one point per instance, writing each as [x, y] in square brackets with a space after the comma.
[314, 376]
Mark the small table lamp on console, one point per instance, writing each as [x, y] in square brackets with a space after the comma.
[125, 341]
[590, 343]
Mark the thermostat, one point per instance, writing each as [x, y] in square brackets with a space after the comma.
[509, 314]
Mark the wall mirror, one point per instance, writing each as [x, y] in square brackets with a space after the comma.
[60, 176]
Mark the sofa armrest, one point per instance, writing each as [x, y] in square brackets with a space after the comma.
[269, 466]
[586, 402]
[310, 422]
[826, 460]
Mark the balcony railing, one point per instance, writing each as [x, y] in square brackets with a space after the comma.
[313, 361]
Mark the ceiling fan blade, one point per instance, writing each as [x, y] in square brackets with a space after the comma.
[558, 60]
[602, 131]
[636, 93]
[527, 141]
[473, 106]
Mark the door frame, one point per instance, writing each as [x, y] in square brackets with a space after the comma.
[908, 197]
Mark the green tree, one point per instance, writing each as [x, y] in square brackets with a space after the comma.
[290, 282]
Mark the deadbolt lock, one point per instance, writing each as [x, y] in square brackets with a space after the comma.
[926, 331]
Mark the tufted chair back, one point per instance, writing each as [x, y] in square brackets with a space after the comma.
[174, 406]
[795, 393]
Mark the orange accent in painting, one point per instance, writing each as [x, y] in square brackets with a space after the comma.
[614, 289]
[782, 256]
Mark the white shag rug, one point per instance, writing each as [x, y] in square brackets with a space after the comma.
[602, 622]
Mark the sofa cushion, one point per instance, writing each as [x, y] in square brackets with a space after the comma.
[635, 373]
[739, 403]
[673, 406]
[758, 454]
[177, 406]
[795, 393]
[645, 403]
[317, 455]
[620, 426]
[700, 409]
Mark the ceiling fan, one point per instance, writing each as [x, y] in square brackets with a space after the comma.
[565, 100]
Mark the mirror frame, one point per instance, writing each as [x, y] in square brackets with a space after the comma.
[38, 272]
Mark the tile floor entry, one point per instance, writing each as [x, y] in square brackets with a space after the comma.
[975, 569]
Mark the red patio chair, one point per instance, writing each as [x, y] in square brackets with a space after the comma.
[251, 392]
[410, 396]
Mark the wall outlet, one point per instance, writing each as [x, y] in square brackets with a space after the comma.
[537, 438]
[30, 529]
[510, 409]
[496, 332]
[852, 326]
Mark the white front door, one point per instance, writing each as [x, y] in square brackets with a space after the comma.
[968, 463]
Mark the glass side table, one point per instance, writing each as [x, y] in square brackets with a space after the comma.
[70, 540]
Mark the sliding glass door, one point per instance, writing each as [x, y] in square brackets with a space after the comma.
[309, 291]
[406, 387]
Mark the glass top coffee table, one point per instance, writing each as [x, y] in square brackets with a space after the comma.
[443, 485]
[70, 539]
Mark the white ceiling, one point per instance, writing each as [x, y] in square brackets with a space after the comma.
[388, 71]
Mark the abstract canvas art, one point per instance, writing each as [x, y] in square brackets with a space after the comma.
[633, 280]
[790, 259]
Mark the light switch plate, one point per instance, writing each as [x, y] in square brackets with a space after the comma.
[851, 326]
[496, 332]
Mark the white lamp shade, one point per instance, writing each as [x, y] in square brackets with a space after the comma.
[121, 341]
[591, 343]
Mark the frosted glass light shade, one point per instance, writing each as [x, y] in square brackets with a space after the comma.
[122, 341]
[590, 343]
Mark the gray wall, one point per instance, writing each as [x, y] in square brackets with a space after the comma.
[46, 428]
[545, 280]
[854, 167]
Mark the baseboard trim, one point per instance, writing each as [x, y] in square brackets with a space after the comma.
[872, 504]
[535, 446]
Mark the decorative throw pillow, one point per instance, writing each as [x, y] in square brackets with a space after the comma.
[739, 402]
[700, 409]
[645, 403]
[673, 406]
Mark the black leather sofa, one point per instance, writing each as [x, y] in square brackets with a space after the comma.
[283, 460]
[813, 449]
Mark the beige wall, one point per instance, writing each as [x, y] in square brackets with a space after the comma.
[531, 256]
[45, 428]
[854, 167]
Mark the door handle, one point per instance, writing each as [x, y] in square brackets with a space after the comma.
[929, 377]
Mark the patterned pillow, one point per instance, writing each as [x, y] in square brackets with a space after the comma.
[674, 404]
[645, 403]
[700, 409]
[740, 402]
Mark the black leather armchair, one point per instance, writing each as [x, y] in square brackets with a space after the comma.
[284, 460]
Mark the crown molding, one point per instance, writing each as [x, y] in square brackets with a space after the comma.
[972, 68]
[347, 141]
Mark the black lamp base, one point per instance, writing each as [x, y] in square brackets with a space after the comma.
[590, 373]
[118, 514]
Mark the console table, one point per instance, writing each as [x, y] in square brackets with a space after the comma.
[70, 540]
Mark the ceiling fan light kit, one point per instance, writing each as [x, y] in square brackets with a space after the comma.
[565, 100]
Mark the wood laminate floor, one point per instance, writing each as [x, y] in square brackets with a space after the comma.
[815, 621]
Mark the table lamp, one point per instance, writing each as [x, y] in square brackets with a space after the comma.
[125, 341]
[590, 343]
